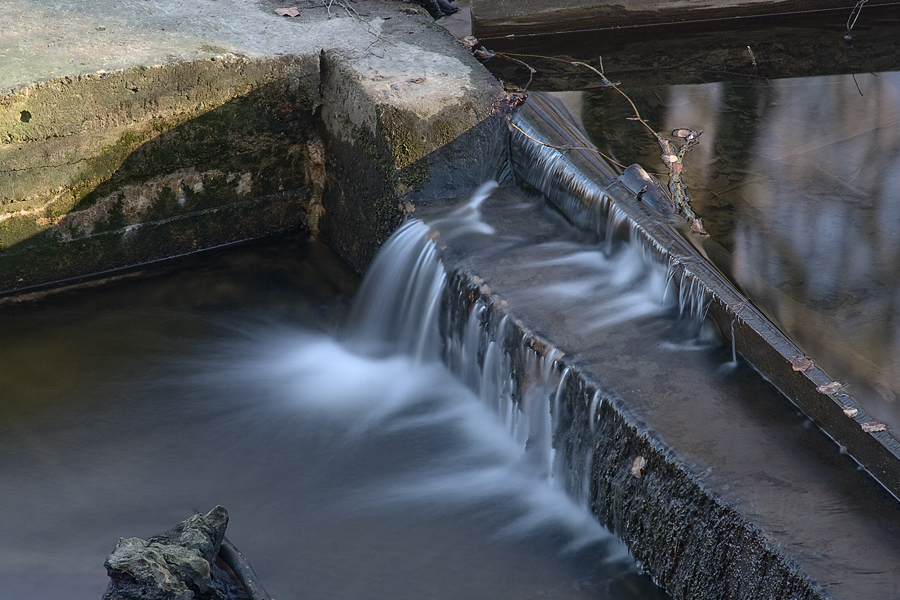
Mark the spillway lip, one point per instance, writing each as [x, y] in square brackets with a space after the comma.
[580, 173]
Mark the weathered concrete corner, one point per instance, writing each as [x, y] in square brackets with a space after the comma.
[395, 120]
[103, 170]
[218, 127]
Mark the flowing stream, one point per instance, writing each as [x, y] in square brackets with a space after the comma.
[371, 443]
[353, 463]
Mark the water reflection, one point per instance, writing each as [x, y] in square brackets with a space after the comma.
[798, 182]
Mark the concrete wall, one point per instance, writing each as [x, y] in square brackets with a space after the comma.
[327, 122]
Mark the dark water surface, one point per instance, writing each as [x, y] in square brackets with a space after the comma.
[128, 406]
[798, 183]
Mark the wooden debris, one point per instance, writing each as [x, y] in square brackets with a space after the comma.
[245, 574]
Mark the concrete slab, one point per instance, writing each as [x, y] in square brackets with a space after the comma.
[120, 118]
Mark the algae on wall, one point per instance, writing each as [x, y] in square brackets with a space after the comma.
[99, 168]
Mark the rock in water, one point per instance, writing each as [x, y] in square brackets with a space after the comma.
[176, 565]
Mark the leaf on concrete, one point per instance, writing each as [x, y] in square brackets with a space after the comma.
[802, 363]
[288, 12]
[851, 412]
[873, 426]
[418, 79]
[409, 11]
[830, 388]
[638, 465]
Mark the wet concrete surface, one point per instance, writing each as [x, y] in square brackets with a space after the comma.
[739, 438]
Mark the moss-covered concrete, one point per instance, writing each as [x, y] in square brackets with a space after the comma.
[394, 132]
[111, 170]
[339, 118]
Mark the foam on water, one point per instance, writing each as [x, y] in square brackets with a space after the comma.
[386, 376]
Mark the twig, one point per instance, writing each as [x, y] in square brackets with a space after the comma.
[672, 157]
[537, 141]
[348, 8]
[854, 15]
[615, 86]
[531, 71]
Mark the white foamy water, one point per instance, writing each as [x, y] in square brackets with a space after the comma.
[478, 460]
[353, 465]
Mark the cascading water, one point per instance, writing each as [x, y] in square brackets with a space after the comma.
[353, 465]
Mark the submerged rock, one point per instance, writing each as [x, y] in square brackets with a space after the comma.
[176, 565]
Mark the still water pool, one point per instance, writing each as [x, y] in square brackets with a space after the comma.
[220, 380]
[798, 183]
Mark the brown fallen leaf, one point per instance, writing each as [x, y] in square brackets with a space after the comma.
[469, 41]
[684, 133]
[418, 79]
[288, 12]
[483, 53]
[283, 112]
[873, 426]
[851, 412]
[802, 363]
[637, 466]
[830, 388]
[409, 11]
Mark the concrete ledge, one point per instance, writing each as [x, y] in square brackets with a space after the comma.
[695, 543]
[181, 128]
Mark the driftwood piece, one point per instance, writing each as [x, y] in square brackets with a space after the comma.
[245, 574]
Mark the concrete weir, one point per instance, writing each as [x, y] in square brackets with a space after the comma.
[138, 130]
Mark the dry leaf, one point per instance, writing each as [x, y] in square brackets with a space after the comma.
[636, 467]
[684, 133]
[697, 227]
[873, 426]
[409, 11]
[483, 53]
[469, 41]
[802, 363]
[288, 12]
[418, 79]
[851, 412]
[283, 112]
[830, 388]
